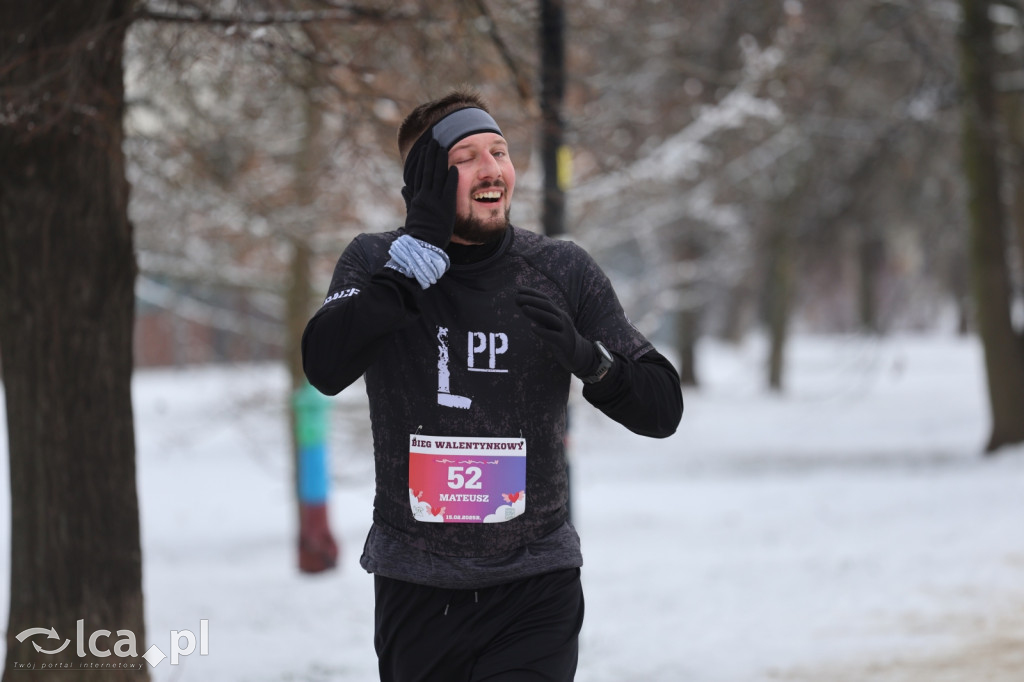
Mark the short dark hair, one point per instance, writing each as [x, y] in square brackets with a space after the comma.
[427, 114]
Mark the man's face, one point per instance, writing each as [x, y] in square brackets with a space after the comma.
[486, 181]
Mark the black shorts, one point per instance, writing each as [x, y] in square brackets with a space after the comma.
[523, 631]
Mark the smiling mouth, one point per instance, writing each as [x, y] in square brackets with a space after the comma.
[488, 197]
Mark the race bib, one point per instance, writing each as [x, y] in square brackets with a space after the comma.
[466, 480]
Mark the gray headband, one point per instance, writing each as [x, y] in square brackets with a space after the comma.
[463, 123]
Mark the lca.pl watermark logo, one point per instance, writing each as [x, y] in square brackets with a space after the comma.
[99, 645]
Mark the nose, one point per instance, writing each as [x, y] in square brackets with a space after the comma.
[489, 168]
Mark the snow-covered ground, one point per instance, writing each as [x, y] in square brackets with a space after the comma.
[847, 530]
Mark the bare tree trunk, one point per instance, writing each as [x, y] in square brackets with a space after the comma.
[67, 273]
[739, 305]
[960, 287]
[780, 286]
[1013, 116]
[687, 325]
[990, 276]
[871, 255]
[300, 288]
[687, 319]
[297, 313]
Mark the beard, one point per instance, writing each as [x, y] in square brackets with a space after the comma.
[478, 231]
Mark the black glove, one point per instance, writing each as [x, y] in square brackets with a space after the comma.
[555, 328]
[431, 198]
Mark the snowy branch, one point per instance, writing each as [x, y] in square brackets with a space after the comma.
[190, 14]
[190, 308]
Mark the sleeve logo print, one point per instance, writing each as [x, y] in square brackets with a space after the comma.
[344, 293]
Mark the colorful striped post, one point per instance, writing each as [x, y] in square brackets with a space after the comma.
[317, 549]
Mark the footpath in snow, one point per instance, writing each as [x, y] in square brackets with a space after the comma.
[845, 531]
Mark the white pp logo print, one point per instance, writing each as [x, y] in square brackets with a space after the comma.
[493, 343]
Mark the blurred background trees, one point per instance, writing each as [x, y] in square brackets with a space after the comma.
[800, 160]
[745, 170]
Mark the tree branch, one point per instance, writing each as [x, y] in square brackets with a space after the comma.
[191, 14]
[521, 78]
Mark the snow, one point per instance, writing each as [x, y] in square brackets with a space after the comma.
[848, 529]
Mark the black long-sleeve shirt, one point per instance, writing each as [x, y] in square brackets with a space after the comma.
[460, 360]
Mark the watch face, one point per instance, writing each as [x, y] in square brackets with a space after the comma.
[602, 369]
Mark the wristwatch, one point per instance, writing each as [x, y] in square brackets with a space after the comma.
[603, 366]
